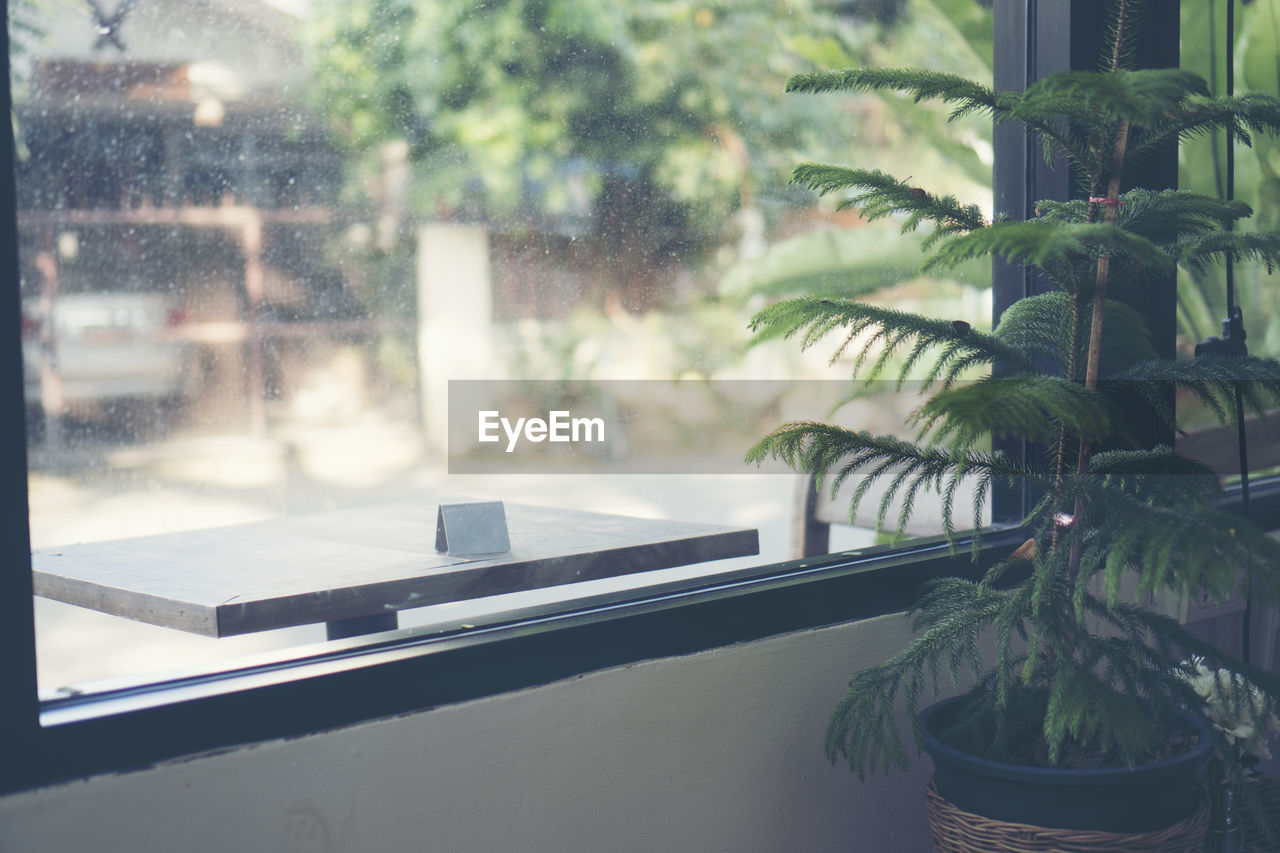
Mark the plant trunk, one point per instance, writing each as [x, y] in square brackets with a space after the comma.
[1111, 204]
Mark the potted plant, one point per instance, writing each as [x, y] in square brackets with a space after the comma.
[1075, 682]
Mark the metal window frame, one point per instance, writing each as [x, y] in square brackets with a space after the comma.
[350, 681]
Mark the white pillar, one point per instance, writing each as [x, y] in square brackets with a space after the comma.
[455, 318]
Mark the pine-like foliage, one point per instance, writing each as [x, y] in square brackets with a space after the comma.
[1073, 662]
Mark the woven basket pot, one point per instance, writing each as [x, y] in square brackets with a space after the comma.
[1144, 799]
[956, 831]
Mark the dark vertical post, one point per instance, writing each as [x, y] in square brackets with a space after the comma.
[1159, 35]
[19, 706]
[1013, 63]
[1032, 39]
[1035, 38]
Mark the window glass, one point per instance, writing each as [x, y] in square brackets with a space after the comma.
[1252, 51]
[267, 247]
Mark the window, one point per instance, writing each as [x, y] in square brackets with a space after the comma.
[267, 252]
[313, 276]
[1237, 39]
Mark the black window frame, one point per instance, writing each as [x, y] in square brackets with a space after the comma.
[351, 681]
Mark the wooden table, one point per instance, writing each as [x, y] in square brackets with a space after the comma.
[355, 569]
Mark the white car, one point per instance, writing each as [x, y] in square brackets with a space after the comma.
[108, 346]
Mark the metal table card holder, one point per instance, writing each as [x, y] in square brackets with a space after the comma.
[472, 529]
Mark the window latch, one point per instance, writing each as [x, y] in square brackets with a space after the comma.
[1231, 344]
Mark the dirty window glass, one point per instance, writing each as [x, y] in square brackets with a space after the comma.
[271, 248]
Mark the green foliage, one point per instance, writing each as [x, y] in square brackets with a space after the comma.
[536, 106]
[1214, 380]
[1198, 253]
[1042, 326]
[1146, 97]
[835, 454]
[839, 263]
[1158, 475]
[640, 129]
[886, 330]
[883, 195]
[950, 617]
[1163, 216]
[665, 112]
[1078, 668]
[920, 83]
[1033, 406]
[1061, 249]
[1245, 115]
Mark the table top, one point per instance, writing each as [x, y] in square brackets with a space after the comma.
[359, 562]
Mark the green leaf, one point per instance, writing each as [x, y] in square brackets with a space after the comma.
[864, 727]
[1158, 475]
[878, 195]
[1029, 406]
[1197, 253]
[1144, 97]
[917, 82]
[1040, 326]
[1053, 245]
[1214, 380]
[834, 455]
[1244, 115]
[879, 332]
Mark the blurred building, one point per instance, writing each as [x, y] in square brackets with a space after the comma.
[167, 165]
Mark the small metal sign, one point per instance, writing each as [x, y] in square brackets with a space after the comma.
[471, 529]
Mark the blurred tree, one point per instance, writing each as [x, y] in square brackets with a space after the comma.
[644, 125]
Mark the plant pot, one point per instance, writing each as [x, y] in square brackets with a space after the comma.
[1140, 799]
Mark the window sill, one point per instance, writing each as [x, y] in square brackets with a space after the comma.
[350, 681]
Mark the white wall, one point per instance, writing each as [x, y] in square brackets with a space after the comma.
[719, 751]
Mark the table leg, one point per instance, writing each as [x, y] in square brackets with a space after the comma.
[361, 625]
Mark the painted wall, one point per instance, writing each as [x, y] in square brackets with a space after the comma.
[719, 751]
